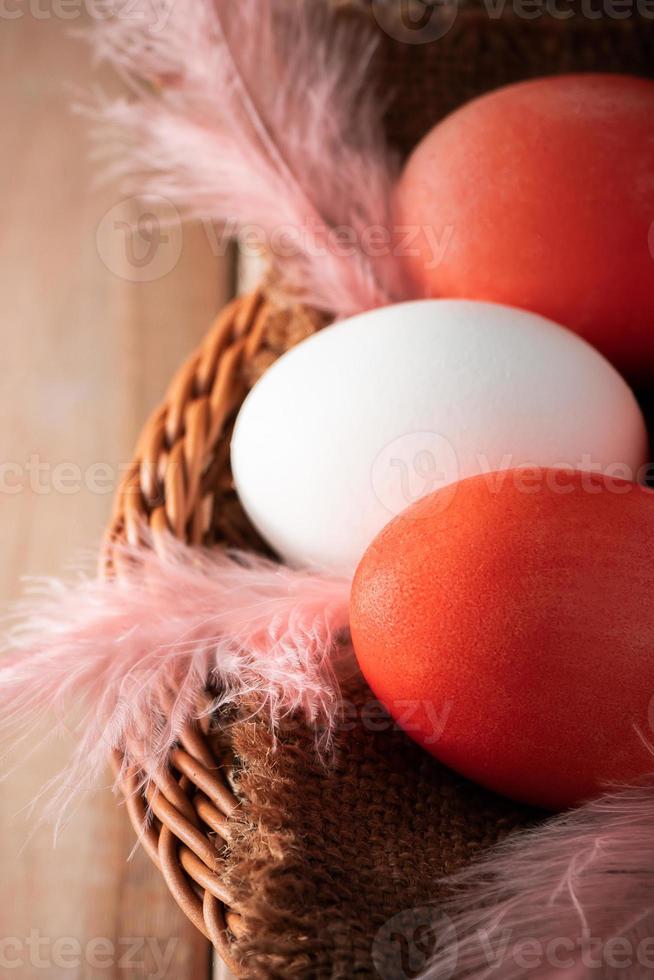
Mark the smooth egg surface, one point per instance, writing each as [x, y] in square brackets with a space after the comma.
[369, 415]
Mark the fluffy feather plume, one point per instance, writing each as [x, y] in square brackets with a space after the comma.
[127, 663]
[571, 899]
[261, 113]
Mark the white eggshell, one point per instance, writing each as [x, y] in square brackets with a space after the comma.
[357, 422]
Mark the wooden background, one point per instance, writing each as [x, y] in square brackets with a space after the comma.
[87, 353]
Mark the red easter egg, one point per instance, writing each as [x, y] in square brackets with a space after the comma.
[541, 195]
[509, 628]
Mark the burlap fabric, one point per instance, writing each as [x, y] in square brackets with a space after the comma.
[335, 872]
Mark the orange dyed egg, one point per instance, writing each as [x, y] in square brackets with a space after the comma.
[541, 195]
[509, 628]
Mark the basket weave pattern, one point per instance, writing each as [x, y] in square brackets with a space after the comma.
[244, 835]
[180, 482]
[290, 869]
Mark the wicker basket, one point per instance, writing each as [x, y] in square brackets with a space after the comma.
[289, 870]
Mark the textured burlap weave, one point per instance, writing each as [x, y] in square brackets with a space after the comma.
[329, 859]
[320, 862]
[337, 868]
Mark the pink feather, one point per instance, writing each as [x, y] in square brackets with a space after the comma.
[261, 113]
[127, 662]
[573, 898]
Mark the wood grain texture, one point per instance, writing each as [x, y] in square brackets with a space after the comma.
[87, 352]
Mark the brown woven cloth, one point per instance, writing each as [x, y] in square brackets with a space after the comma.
[337, 872]
[329, 872]
[336, 869]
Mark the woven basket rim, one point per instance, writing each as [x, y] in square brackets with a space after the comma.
[179, 483]
[170, 487]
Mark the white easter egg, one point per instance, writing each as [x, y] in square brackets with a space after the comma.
[359, 421]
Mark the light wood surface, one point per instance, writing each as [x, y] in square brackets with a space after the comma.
[87, 352]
